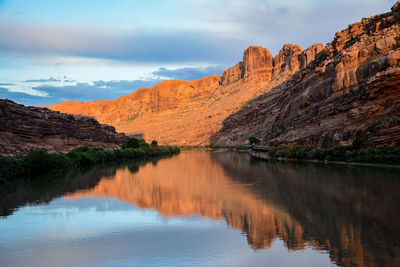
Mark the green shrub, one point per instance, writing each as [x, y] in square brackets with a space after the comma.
[11, 167]
[154, 143]
[81, 149]
[74, 156]
[131, 143]
[353, 153]
[38, 162]
[142, 143]
[358, 143]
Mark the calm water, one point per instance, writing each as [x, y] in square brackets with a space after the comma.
[204, 209]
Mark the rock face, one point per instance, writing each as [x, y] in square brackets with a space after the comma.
[351, 89]
[190, 112]
[233, 74]
[23, 128]
[258, 64]
[321, 95]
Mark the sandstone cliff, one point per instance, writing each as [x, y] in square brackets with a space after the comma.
[351, 89]
[322, 95]
[190, 112]
[23, 128]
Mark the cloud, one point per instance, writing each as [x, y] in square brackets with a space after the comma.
[51, 79]
[98, 90]
[22, 98]
[139, 47]
[6, 84]
[213, 32]
[48, 94]
[188, 73]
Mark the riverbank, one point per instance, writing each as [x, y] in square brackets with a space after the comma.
[344, 155]
[40, 162]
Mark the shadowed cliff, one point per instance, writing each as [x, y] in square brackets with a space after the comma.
[351, 90]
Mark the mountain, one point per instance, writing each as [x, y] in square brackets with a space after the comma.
[351, 90]
[23, 128]
[190, 112]
[321, 95]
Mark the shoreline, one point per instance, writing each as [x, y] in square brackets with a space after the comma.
[264, 156]
[39, 162]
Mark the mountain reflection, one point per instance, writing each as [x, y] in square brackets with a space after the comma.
[350, 212]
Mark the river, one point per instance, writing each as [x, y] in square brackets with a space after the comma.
[201, 208]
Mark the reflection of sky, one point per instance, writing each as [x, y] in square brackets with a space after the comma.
[107, 232]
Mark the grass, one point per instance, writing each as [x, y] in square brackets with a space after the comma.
[39, 162]
[351, 153]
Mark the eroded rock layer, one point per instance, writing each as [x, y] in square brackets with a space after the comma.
[190, 112]
[351, 89]
[24, 128]
[322, 95]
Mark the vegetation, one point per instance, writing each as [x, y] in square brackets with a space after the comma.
[254, 141]
[39, 162]
[154, 143]
[357, 152]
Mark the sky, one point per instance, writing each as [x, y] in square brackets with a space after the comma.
[53, 51]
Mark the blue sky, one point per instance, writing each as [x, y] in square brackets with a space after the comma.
[52, 51]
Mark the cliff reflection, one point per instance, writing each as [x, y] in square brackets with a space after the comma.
[350, 212]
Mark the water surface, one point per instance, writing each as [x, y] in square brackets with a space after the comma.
[204, 209]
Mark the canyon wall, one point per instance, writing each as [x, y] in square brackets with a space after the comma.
[351, 90]
[24, 128]
[190, 112]
[319, 96]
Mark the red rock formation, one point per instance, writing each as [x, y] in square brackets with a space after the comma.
[351, 89]
[288, 59]
[309, 54]
[258, 64]
[23, 128]
[233, 74]
[180, 112]
[338, 92]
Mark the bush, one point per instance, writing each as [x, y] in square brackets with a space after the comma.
[359, 143]
[131, 143]
[81, 149]
[353, 153]
[154, 143]
[143, 144]
[11, 167]
[38, 162]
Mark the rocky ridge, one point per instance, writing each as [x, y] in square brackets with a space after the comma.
[190, 112]
[351, 90]
[24, 128]
[319, 96]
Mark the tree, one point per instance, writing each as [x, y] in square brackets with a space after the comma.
[154, 143]
[131, 143]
